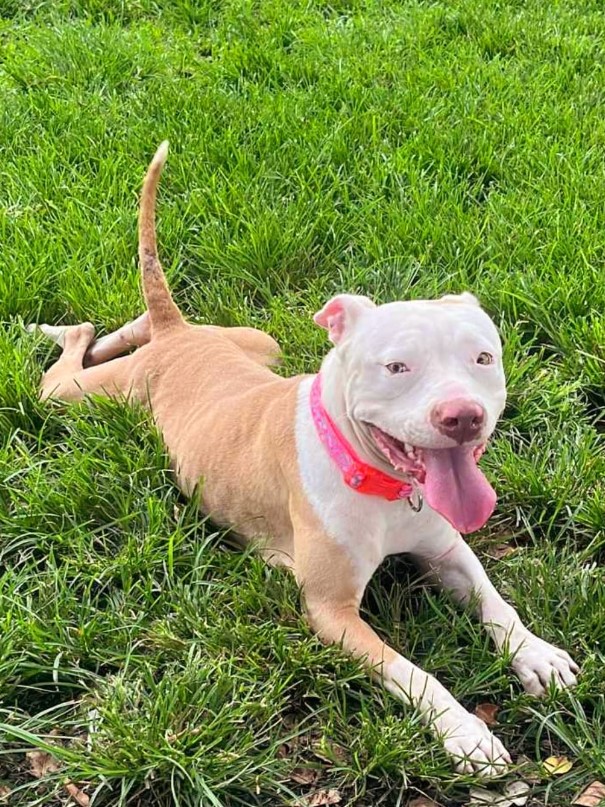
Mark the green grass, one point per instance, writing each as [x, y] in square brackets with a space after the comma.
[399, 149]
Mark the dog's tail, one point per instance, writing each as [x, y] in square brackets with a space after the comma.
[163, 311]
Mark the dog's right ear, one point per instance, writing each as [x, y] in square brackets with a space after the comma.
[340, 313]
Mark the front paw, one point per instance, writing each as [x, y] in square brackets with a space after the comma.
[539, 665]
[473, 747]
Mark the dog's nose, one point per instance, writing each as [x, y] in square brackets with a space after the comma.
[459, 419]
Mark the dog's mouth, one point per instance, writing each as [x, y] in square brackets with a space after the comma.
[451, 482]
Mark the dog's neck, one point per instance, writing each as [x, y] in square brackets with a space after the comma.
[333, 387]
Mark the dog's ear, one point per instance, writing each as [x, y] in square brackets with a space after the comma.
[466, 298]
[340, 313]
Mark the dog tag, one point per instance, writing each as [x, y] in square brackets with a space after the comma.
[415, 500]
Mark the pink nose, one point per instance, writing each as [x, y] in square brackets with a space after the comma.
[459, 419]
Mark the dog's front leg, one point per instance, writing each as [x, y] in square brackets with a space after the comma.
[466, 738]
[537, 663]
[332, 587]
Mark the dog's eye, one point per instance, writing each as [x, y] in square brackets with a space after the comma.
[485, 358]
[396, 367]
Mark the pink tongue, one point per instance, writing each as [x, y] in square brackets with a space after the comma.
[456, 488]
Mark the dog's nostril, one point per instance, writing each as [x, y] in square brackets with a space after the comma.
[460, 420]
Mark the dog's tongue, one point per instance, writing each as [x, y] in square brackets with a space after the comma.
[455, 487]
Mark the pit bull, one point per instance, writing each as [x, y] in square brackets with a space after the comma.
[328, 474]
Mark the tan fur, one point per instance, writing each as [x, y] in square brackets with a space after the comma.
[228, 423]
[332, 601]
[163, 312]
[226, 419]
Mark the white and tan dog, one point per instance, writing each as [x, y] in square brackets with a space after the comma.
[328, 473]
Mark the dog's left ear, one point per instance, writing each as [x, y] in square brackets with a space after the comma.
[466, 298]
[339, 314]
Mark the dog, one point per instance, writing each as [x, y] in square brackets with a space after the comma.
[329, 474]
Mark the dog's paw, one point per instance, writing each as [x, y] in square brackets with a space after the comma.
[472, 746]
[56, 333]
[62, 334]
[539, 665]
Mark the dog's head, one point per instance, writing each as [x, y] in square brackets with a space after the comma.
[424, 388]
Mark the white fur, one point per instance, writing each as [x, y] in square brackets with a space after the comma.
[367, 527]
[439, 341]
[54, 332]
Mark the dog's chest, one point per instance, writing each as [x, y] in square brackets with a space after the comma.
[368, 527]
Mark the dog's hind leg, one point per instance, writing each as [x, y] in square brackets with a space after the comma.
[67, 379]
[74, 340]
[132, 334]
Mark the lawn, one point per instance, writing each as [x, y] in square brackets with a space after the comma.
[396, 149]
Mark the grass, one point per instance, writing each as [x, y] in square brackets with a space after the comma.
[399, 149]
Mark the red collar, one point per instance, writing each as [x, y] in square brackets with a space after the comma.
[357, 474]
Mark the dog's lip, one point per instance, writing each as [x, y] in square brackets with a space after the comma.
[410, 450]
[402, 456]
[406, 457]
